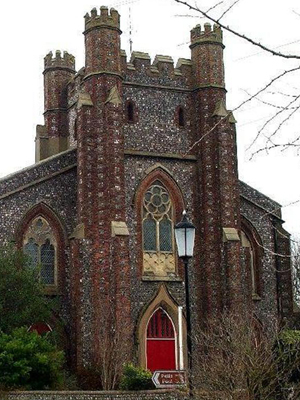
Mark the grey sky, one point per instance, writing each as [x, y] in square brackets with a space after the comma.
[31, 29]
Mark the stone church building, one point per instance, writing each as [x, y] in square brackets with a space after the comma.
[127, 145]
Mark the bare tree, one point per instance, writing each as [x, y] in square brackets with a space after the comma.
[113, 354]
[114, 337]
[239, 359]
[283, 106]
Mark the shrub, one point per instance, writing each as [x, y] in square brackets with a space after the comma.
[29, 361]
[135, 378]
[287, 350]
[22, 299]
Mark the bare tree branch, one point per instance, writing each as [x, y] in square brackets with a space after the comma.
[226, 11]
[240, 35]
[270, 104]
[215, 6]
[272, 118]
[270, 83]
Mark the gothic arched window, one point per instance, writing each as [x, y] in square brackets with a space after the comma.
[130, 111]
[251, 262]
[158, 231]
[40, 247]
[181, 119]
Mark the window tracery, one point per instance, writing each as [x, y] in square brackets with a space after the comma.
[40, 246]
[158, 232]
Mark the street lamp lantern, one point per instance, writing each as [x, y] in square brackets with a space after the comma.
[185, 237]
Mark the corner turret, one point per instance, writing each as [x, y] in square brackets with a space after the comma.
[207, 56]
[102, 41]
[209, 34]
[66, 62]
[105, 18]
[58, 71]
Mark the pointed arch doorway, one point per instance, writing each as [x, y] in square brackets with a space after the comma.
[161, 342]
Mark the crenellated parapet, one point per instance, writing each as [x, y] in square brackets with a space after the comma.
[208, 34]
[67, 61]
[106, 18]
[162, 67]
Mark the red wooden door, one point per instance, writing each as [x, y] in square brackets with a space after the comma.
[40, 328]
[160, 342]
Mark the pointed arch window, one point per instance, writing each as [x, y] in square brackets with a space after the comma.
[130, 111]
[40, 246]
[251, 263]
[158, 231]
[181, 119]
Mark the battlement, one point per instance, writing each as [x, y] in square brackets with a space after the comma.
[161, 67]
[105, 18]
[209, 34]
[66, 62]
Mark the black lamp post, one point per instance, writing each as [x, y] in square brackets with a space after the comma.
[185, 238]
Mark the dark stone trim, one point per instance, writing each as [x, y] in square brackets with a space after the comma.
[103, 73]
[159, 87]
[53, 68]
[201, 42]
[209, 86]
[106, 26]
[138, 153]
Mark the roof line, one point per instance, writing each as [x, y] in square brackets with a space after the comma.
[20, 171]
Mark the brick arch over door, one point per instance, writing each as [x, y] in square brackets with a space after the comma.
[165, 302]
[163, 176]
[45, 212]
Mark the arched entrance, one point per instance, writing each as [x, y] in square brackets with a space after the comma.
[40, 328]
[161, 346]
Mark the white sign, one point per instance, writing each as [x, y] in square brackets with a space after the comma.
[168, 379]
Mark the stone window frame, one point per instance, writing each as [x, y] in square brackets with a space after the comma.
[157, 216]
[44, 211]
[180, 120]
[255, 255]
[162, 175]
[40, 239]
[134, 118]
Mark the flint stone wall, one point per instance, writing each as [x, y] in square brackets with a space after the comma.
[112, 395]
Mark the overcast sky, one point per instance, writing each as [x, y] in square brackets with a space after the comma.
[29, 30]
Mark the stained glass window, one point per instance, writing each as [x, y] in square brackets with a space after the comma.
[47, 263]
[40, 247]
[149, 227]
[31, 249]
[165, 235]
[157, 219]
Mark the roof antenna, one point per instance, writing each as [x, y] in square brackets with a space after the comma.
[130, 31]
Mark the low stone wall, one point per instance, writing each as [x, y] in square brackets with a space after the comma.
[112, 395]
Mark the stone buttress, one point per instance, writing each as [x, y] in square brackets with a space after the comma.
[218, 249]
[101, 250]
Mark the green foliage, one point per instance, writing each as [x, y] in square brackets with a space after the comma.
[29, 361]
[287, 350]
[135, 378]
[22, 301]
